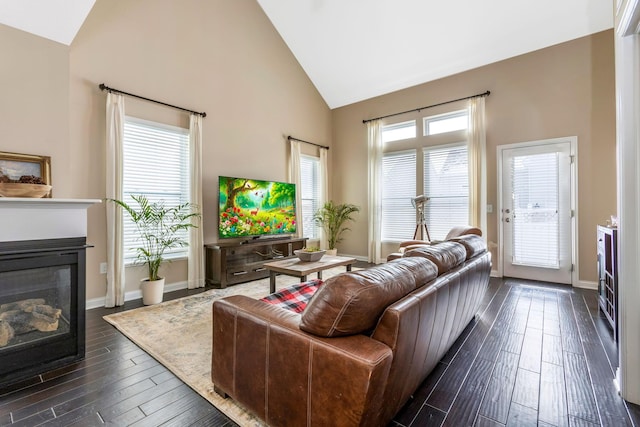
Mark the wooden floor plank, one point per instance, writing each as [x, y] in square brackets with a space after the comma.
[526, 390]
[522, 416]
[465, 406]
[111, 411]
[552, 349]
[428, 417]
[497, 398]
[610, 406]
[553, 399]
[581, 402]
[486, 422]
[169, 411]
[513, 342]
[531, 354]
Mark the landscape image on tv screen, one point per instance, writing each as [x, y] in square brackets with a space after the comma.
[250, 207]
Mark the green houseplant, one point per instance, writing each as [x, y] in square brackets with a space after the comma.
[332, 218]
[158, 227]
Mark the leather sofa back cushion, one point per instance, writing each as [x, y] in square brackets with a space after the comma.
[350, 303]
[474, 245]
[445, 255]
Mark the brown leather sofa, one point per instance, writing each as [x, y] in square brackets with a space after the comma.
[365, 342]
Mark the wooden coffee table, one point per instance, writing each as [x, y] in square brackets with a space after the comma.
[296, 268]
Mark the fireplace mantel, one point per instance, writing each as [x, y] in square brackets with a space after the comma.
[36, 219]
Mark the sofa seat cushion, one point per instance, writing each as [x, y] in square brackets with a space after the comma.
[295, 297]
[350, 303]
[474, 245]
[445, 255]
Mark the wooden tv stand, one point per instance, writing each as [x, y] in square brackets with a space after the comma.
[236, 262]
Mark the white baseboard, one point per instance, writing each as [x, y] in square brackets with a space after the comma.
[358, 257]
[583, 284]
[586, 284]
[132, 295]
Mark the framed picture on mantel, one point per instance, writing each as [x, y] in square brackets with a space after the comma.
[13, 166]
[18, 169]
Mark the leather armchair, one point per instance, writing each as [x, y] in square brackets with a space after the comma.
[456, 231]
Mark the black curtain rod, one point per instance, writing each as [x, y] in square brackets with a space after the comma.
[102, 86]
[289, 138]
[487, 93]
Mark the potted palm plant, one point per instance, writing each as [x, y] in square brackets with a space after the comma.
[158, 227]
[332, 218]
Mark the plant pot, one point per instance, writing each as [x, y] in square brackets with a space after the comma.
[332, 252]
[152, 291]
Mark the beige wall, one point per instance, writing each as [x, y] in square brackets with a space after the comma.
[225, 58]
[34, 104]
[564, 90]
[222, 57]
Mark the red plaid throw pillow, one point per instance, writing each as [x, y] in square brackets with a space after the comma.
[295, 297]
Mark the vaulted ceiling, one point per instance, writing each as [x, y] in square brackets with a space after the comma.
[357, 49]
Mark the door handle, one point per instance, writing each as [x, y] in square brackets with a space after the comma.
[507, 220]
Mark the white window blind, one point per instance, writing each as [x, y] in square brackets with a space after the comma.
[155, 164]
[309, 193]
[535, 210]
[398, 188]
[446, 183]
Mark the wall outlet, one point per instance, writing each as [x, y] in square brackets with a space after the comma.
[489, 208]
[103, 268]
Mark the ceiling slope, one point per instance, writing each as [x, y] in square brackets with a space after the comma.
[57, 20]
[357, 49]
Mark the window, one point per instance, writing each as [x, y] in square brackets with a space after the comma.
[536, 202]
[155, 163]
[446, 183]
[398, 131]
[441, 173]
[449, 122]
[398, 188]
[309, 169]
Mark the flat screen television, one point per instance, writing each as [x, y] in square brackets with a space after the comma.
[254, 208]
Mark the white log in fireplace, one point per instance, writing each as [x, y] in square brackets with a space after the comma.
[42, 285]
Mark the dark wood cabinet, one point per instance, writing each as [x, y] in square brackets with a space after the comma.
[608, 275]
[232, 263]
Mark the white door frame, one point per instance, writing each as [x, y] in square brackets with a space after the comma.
[573, 140]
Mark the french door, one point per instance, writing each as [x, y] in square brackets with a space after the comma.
[536, 215]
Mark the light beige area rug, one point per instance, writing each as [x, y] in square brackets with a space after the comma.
[178, 334]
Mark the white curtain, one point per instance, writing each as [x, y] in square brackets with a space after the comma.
[374, 129]
[294, 177]
[195, 267]
[115, 248]
[477, 164]
[324, 191]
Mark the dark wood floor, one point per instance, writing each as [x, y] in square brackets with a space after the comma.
[537, 354]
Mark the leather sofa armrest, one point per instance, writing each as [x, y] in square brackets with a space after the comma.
[406, 243]
[262, 359]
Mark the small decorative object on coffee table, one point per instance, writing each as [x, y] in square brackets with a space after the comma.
[310, 254]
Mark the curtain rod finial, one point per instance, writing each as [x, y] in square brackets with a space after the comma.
[102, 86]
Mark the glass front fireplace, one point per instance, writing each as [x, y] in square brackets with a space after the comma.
[42, 294]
